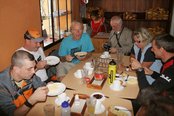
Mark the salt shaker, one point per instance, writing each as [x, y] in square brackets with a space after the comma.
[65, 109]
[77, 100]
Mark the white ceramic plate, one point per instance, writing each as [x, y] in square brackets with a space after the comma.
[115, 89]
[132, 80]
[123, 109]
[80, 54]
[52, 60]
[56, 89]
[98, 93]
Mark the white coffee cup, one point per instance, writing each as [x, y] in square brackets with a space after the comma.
[106, 53]
[88, 70]
[88, 64]
[79, 73]
[98, 105]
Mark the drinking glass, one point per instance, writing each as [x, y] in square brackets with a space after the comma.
[91, 102]
[119, 55]
[49, 110]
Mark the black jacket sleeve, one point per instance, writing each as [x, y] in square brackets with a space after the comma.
[142, 82]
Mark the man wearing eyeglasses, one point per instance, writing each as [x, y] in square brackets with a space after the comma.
[120, 36]
[20, 89]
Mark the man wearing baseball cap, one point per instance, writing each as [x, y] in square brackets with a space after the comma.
[32, 44]
[33, 35]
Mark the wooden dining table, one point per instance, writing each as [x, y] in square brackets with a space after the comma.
[117, 98]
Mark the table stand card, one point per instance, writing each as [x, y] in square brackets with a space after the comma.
[78, 109]
[97, 84]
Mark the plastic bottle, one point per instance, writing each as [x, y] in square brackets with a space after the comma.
[111, 71]
[65, 109]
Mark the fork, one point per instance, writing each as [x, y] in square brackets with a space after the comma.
[126, 78]
[122, 109]
[39, 58]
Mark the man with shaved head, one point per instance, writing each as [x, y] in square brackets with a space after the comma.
[20, 88]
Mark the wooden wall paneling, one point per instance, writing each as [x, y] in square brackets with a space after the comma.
[128, 5]
[141, 5]
[99, 3]
[76, 10]
[161, 3]
[117, 6]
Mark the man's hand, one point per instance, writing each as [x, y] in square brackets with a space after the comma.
[68, 58]
[41, 64]
[148, 71]
[135, 64]
[39, 95]
[113, 50]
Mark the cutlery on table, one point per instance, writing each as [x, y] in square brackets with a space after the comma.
[70, 88]
[121, 109]
[106, 96]
[126, 78]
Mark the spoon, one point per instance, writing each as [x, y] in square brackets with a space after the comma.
[126, 78]
[121, 109]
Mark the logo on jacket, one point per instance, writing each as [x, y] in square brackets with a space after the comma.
[165, 77]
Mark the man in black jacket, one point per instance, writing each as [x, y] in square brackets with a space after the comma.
[163, 48]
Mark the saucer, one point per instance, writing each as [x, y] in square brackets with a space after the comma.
[115, 89]
[132, 80]
[100, 110]
[77, 76]
[58, 102]
[105, 56]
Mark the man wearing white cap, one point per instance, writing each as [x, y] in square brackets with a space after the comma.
[32, 44]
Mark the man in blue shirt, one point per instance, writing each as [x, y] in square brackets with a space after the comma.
[77, 42]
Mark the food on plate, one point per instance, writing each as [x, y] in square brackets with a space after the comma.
[52, 87]
[55, 89]
[80, 54]
[116, 112]
[52, 60]
[132, 80]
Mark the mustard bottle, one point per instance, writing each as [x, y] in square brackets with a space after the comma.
[111, 71]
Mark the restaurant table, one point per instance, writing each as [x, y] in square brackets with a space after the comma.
[119, 98]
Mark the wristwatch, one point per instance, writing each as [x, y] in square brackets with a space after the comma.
[28, 104]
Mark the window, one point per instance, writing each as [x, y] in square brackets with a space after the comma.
[56, 19]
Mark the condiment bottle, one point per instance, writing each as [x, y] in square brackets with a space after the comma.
[111, 71]
[65, 109]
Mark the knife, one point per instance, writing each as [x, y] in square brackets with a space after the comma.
[70, 89]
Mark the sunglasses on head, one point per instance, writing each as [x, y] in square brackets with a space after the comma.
[137, 41]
